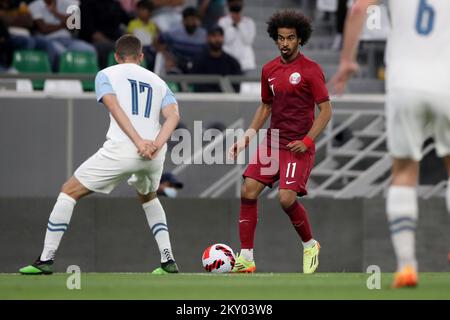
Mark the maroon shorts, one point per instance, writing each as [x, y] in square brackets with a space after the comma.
[291, 168]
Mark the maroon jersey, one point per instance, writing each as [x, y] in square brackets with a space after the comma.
[293, 89]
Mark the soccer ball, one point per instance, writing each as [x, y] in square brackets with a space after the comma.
[218, 258]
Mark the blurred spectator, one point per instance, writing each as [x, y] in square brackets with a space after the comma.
[215, 61]
[341, 13]
[210, 12]
[6, 49]
[169, 185]
[15, 14]
[129, 6]
[101, 22]
[182, 44]
[18, 21]
[49, 17]
[167, 13]
[240, 32]
[146, 31]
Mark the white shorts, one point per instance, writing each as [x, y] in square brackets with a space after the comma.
[413, 117]
[115, 162]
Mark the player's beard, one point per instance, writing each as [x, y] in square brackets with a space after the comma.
[288, 54]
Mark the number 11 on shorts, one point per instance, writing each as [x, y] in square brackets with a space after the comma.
[294, 166]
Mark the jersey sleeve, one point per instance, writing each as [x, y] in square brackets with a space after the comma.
[266, 92]
[168, 99]
[35, 11]
[102, 86]
[318, 85]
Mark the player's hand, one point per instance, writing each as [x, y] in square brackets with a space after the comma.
[339, 81]
[236, 148]
[146, 148]
[297, 146]
[155, 153]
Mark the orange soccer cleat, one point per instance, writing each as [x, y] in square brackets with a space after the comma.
[407, 277]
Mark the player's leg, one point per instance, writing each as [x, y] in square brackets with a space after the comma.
[156, 218]
[297, 214]
[294, 173]
[407, 120]
[261, 172]
[248, 215]
[248, 218]
[145, 179]
[402, 212]
[58, 223]
[299, 219]
[99, 173]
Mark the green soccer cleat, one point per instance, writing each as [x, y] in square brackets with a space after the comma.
[169, 266]
[38, 267]
[243, 266]
[311, 258]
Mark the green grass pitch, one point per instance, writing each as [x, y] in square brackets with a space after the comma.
[271, 286]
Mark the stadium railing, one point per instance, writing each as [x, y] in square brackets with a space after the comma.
[351, 156]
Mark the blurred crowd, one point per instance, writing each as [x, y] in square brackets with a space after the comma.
[200, 37]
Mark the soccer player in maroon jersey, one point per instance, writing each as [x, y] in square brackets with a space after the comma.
[291, 86]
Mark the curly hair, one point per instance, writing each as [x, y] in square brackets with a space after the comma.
[290, 19]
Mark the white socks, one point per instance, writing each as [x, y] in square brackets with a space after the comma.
[156, 218]
[402, 211]
[58, 222]
[247, 254]
[309, 244]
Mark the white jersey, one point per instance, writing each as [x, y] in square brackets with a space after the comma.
[418, 49]
[141, 95]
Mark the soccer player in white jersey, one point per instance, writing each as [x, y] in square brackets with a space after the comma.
[417, 106]
[135, 148]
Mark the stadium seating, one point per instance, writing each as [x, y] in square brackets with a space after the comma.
[80, 62]
[32, 61]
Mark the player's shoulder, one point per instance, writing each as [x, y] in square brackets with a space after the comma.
[271, 64]
[309, 65]
[131, 68]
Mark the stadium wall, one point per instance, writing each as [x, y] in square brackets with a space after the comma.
[111, 234]
[44, 138]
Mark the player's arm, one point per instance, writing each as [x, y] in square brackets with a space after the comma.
[172, 117]
[203, 7]
[354, 24]
[262, 114]
[45, 28]
[317, 128]
[145, 147]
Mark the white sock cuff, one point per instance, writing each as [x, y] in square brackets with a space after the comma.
[151, 204]
[402, 201]
[65, 196]
[308, 244]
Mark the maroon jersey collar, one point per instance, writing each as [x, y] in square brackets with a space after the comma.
[299, 56]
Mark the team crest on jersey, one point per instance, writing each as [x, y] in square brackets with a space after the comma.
[295, 78]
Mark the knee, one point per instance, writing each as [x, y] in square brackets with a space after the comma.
[147, 197]
[248, 192]
[405, 172]
[74, 189]
[66, 188]
[286, 198]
